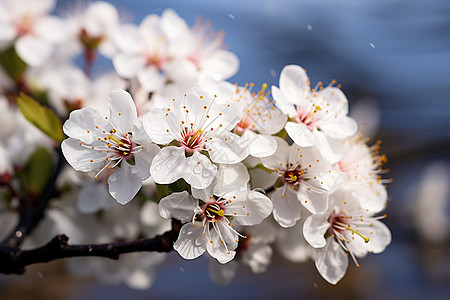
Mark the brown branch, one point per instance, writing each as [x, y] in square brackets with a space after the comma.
[14, 260]
[31, 215]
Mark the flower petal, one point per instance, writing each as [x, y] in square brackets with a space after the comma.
[249, 208]
[226, 149]
[125, 183]
[198, 171]
[168, 165]
[156, 124]
[34, 51]
[122, 110]
[190, 243]
[82, 125]
[300, 134]
[286, 207]
[314, 229]
[259, 145]
[128, 65]
[82, 158]
[180, 206]
[331, 261]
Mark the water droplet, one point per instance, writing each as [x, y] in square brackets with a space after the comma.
[198, 168]
[134, 171]
[112, 178]
[19, 233]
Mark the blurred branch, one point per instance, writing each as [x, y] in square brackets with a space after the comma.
[14, 260]
[32, 213]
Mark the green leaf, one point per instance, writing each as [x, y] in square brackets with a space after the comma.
[42, 117]
[38, 172]
[12, 64]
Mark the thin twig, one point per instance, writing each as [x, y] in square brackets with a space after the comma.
[14, 260]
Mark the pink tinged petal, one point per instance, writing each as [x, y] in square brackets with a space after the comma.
[52, 29]
[128, 65]
[180, 206]
[82, 158]
[292, 79]
[34, 51]
[198, 171]
[216, 248]
[280, 157]
[220, 65]
[125, 183]
[331, 261]
[286, 207]
[82, 124]
[226, 149]
[258, 257]
[168, 165]
[287, 107]
[222, 273]
[340, 128]
[122, 110]
[259, 145]
[151, 79]
[190, 243]
[314, 229]
[249, 208]
[300, 134]
[156, 124]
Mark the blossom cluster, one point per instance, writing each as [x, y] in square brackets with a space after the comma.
[244, 168]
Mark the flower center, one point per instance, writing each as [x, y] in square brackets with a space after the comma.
[213, 212]
[192, 140]
[293, 176]
[340, 223]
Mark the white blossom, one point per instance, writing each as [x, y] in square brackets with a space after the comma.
[317, 117]
[99, 143]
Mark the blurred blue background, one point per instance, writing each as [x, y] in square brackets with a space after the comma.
[392, 58]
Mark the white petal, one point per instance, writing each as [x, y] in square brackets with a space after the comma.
[340, 128]
[127, 39]
[82, 124]
[168, 165]
[80, 157]
[226, 149]
[122, 110]
[179, 206]
[198, 171]
[259, 145]
[251, 208]
[156, 124]
[300, 134]
[292, 79]
[291, 244]
[151, 79]
[314, 229]
[128, 65]
[231, 178]
[52, 29]
[331, 261]
[190, 243]
[216, 248]
[220, 65]
[34, 51]
[286, 209]
[326, 147]
[286, 106]
[281, 156]
[125, 183]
